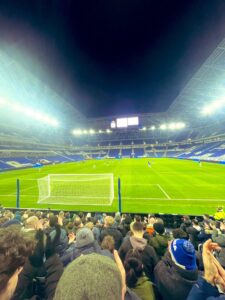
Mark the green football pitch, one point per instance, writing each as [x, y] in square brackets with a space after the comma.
[168, 186]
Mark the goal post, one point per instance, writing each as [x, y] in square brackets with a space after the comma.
[76, 189]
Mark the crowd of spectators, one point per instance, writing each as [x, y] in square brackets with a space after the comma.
[83, 256]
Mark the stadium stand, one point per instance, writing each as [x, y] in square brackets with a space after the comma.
[86, 244]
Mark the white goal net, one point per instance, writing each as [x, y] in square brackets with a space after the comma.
[76, 189]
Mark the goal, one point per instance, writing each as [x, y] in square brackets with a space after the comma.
[76, 189]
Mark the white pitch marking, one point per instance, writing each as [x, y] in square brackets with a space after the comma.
[164, 192]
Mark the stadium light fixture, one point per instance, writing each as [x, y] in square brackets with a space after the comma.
[29, 112]
[2, 101]
[108, 130]
[100, 131]
[180, 125]
[214, 106]
[91, 131]
[152, 128]
[144, 128]
[163, 126]
[77, 131]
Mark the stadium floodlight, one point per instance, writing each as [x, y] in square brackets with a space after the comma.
[30, 112]
[144, 128]
[2, 101]
[163, 126]
[91, 131]
[152, 128]
[172, 126]
[214, 106]
[108, 130]
[100, 131]
[180, 125]
[77, 131]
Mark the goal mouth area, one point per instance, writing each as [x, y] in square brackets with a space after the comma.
[76, 189]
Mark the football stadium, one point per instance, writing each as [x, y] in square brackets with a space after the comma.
[112, 150]
[170, 162]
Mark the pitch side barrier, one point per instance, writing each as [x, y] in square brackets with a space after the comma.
[171, 221]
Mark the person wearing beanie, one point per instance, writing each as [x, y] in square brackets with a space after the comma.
[93, 276]
[177, 272]
[160, 241]
[85, 244]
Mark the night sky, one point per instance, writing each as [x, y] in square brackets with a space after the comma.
[113, 57]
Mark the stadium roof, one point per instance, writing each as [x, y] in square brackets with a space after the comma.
[207, 85]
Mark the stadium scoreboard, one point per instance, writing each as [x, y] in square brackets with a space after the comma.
[125, 122]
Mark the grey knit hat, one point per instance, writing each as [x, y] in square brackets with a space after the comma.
[84, 237]
[90, 277]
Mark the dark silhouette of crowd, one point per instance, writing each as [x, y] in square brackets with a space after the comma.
[83, 256]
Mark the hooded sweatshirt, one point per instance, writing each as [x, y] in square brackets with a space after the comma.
[148, 255]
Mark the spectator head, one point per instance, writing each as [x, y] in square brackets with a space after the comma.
[212, 224]
[151, 219]
[134, 269]
[67, 215]
[159, 228]
[108, 221]
[88, 277]
[89, 225]
[183, 254]
[159, 220]
[195, 222]
[8, 214]
[38, 214]
[117, 218]
[180, 234]
[186, 218]
[95, 221]
[137, 218]
[137, 229]
[108, 243]
[222, 225]
[78, 222]
[219, 209]
[53, 220]
[206, 217]
[32, 223]
[81, 214]
[84, 237]
[15, 247]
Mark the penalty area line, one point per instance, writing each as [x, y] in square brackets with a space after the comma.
[164, 192]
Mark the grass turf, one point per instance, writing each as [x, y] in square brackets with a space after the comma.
[169, 186]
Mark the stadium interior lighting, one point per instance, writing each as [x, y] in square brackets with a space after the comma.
[214, 106]
[91, 131]
[163, 126]
[100, 131]
[29, 112]
[173, 126]
[108, 130]
[144, 128]
[85, 131]
[152, 128]
[77, 131]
